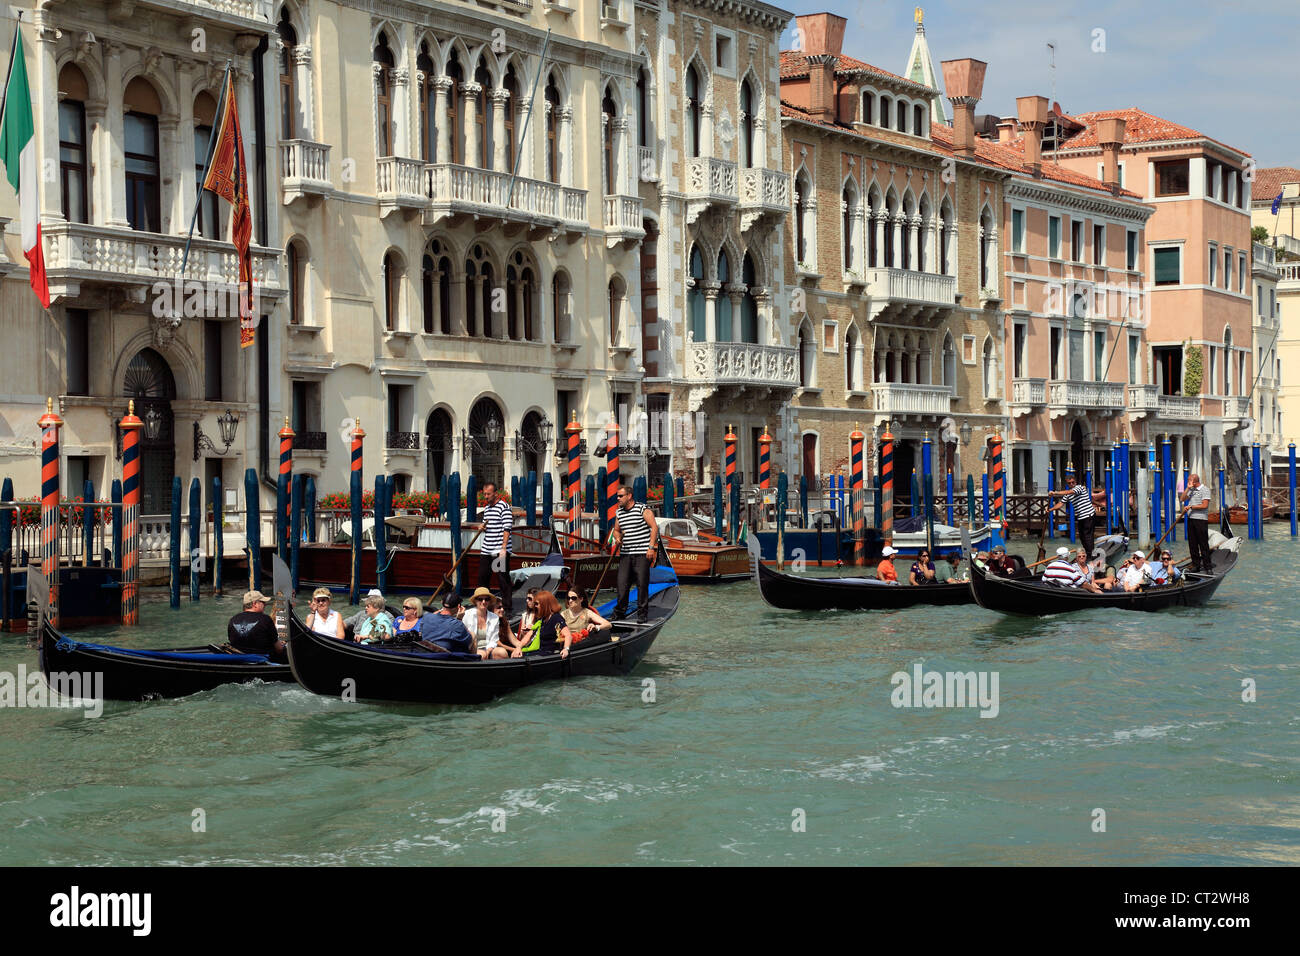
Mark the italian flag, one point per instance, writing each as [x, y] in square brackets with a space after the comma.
[18, 150]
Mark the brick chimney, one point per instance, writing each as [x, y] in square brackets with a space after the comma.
[1110, 136]
[821, 33]
[964, 81]
[821, 85]
[1007, 131]
[821, 37]
[1031, 111]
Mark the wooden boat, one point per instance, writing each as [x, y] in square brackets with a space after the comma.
[1238, 514]
[699, 557]
[133, 674]
[1030, 596]
[331, 667]
[800, 592]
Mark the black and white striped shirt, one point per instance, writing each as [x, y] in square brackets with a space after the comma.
[1199, 494]
[636, 533]
[497, 523]
[1082, 497]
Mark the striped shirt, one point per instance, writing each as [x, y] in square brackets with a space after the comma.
[497, 523]
[1198, 495]
[636, 533]
[1061, 571]
[1082, 499]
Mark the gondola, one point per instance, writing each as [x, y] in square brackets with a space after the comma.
[1032, 597]
[133, 674]
[336, 668]
[798, 592]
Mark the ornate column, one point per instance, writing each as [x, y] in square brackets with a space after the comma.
[459, 307]
[500, 103]
[469, 101]
[927, 246]
[436, 310]
[188, 178]
[111, 159]
[525, 137]
[735, 292]
[766, 318]
[304, 109]
[878, 224]
[401, 112]
[760, 142]
[711, 289]
[44, 81]
[950, 256]
[441, 93]
[896, 224]
[565, 173]
[914, 242]
[173, 208]
[620, 184]
[98, 142]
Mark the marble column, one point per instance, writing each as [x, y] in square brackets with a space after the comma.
[500, 103]
[112, 160]
[441, 94]
[469, 102]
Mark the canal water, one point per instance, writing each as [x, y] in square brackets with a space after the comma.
[765, 737]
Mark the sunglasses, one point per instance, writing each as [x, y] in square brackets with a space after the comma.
[409, 607]
[319, 601]
[476, 600]
[574, 597]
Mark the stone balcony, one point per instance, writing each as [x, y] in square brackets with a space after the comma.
[304, 170]
[908, 295]
[1180, 408]
[740, 366]
[1073, 397]
[709, 182]
[1237, 406]
[623, 221]
[1143, 402]
[764, 194]
[79, 256]
[400, 185]
[455, 192]
[244, 14]
[896, 401]
[1027, 394]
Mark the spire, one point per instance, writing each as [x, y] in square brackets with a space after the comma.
[920, 69]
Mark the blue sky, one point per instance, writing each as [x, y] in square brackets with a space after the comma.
[1229, 69]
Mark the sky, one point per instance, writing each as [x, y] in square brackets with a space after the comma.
[1229, 69]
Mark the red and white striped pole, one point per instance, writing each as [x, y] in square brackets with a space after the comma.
[50, 424]
[286, 474]
[855, 486]
[764, 460]
[887, 486]
[130, 426]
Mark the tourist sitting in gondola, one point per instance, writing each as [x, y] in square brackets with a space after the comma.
[406, 629]
[885, 570]
[376, 623]
[1166, 572]
[350, 624]
[445, 631]
[923, 571]
[553, 635]
[322, 619]
[484, 623]
[1135, 573]
[999, 562]
[1062, 571]
[1088, 579]
[950, 569]
[252, 631]
[580, 616]
[525, 638]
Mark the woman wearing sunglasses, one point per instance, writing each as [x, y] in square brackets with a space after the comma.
[323, 620]
[484, 623]
[923, 570]
[406, 629]
[581, 618]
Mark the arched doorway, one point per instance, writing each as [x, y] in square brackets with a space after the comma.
[437, 446]
[150, 382]
[487, 451]
[531, 451]
[1076, 450]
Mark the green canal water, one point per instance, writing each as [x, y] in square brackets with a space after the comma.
[771, 739]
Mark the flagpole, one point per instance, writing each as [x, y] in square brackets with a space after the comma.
[207, 166]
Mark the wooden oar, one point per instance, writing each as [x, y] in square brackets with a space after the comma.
[446, 578]
[1172, 525]
[601, 579]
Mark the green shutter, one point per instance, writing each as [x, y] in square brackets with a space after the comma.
[1167, 262]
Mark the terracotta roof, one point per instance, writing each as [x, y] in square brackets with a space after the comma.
[1268, 182]
[794, 65]
[1141, 127]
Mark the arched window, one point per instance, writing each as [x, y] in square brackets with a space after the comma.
[949, 362]
[902, 116]
[946, 250]
[296, 266]
[905, 231]
[986, 249]
[427, 105]
[748, 304]
[288, 95]
[722, 309]
[487, 457]
[853, 360]
[73, 167]
[989, 371]
[746, 126]
[891, 240]
[444, 295]
[801, 231]
[552, 130]
[874, 228]
[519, 297]
[384, 116]
[511, 85]
[886, 106]
[208, 223]
[695, 296]
[560, 305]
[608, 111]
[427, 292]
[868, 101]
[455, 99]
[642, 107]
[392, 292]
[483, 80]
[807, 356]
[850, 218]
[927, 229]
[438, 446]
[693, 112]
[918, 120]
[142, 162]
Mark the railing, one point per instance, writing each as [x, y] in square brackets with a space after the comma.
[453, 185]
[744, 363]
[900, 399]
[400, 181]
[623, 213]
[1182, 407]
[765, 187]
[402, 441]
[1029, 391]
[1290, 271]
[1289, 244]
[309, 441]
[711, 179]
[573, 205]
[1076, 394]
[1264, 255]
[1236, 406]
[259, 10]
[124, 254]
[1143, 398]
[304, 167]
[928, 287]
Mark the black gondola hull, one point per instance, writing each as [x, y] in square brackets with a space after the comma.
[126, 676]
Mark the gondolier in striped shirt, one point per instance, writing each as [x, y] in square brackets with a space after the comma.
[636, 536]
[1085, 507]
[1196, 499]
[494, 554]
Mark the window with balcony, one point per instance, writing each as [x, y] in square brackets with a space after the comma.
[694, 109]
[1172, 177]
[1131, 250]
[208, 224]
[400, 413]
[950, 361]
[608, 113]
[511, 85]
[1018, 230]
[426, 104]
[1098, 245]
[456, 111]
[1167, 265]
[947, 239]
[295, 260]
[749, 304]
[722, 308]
[1168, 363]
[78, 343]
[385, 127]
[288, 37]
[850, 217]
[1019, 337]
[305, 414]
[1055, 337]
[695, 297]
[74, 171]
[1077, 372]
[482, 118]
[1054, 237]
[746, 125]
[853, 360]
[1099, 355]
[1134, 359]
[141, 157]
[643, 107]
[552, 130]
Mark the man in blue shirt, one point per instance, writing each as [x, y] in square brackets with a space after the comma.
[445, 629]
[1166, 572]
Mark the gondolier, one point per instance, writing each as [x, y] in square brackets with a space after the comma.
[1196, 499]
[494, 553]
[1085, 508]
[636, 536]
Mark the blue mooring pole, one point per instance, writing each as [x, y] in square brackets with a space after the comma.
[116, 497]
[88, 512]
[196, 555]
[295, 526]
[174, 561]
[218, 536]
[1290, 454]
[252, 529]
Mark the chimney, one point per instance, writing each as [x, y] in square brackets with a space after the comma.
[820, 33]
[1032, 113]
[964, 81]
[821, 83]
[1110, 136]
[1007, 131]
